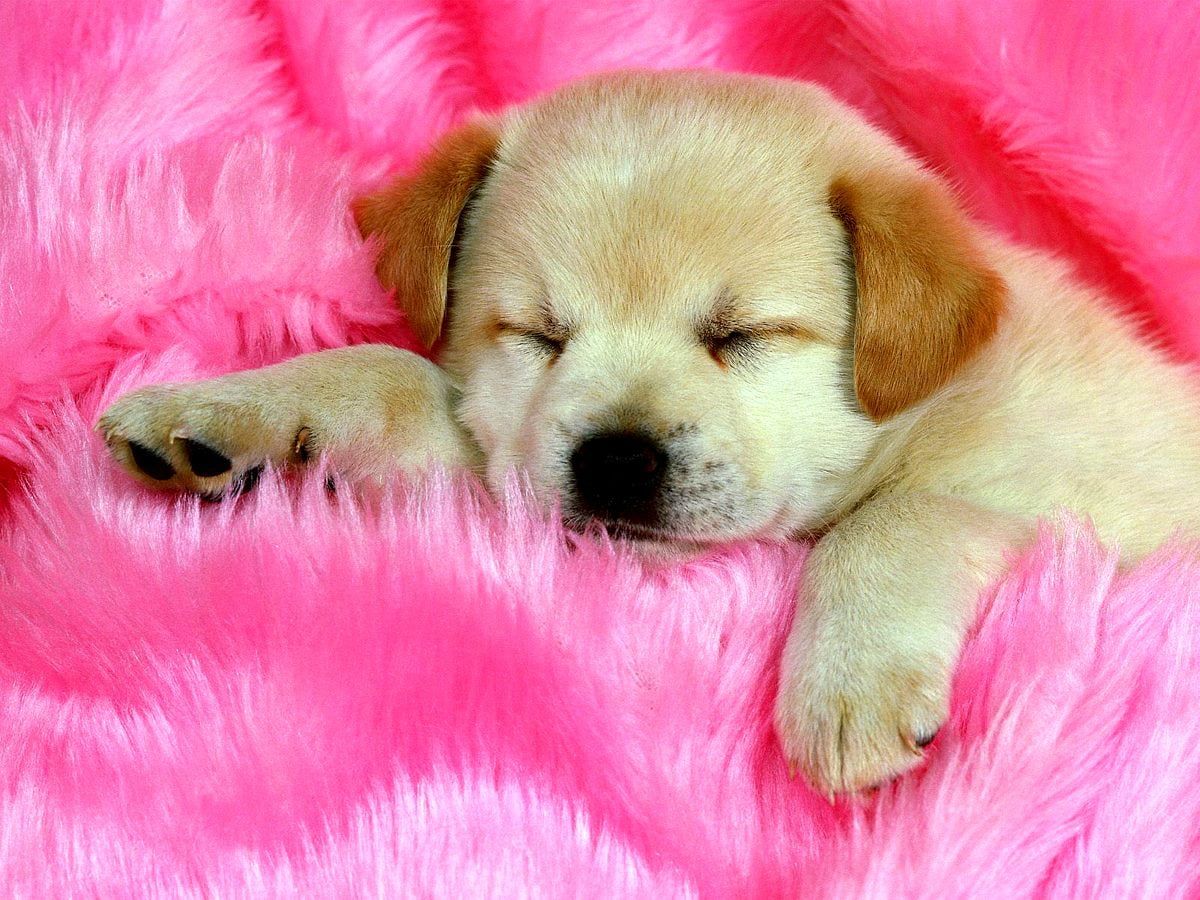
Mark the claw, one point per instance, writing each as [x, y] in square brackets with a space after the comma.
[300, 448]
[916, 745]
[924, 740]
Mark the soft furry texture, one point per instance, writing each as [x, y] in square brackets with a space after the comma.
[433, 692]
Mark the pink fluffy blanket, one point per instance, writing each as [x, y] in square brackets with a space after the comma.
[435, 693]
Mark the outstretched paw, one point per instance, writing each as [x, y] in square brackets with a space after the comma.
[195, 438]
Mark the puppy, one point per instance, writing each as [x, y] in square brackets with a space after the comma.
[699, 307]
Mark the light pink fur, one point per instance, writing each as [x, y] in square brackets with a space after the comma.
[434, 692]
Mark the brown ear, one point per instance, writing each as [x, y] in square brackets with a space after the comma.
[415, 220]
[927, 300]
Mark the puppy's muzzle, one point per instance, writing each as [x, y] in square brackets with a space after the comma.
[619, 476]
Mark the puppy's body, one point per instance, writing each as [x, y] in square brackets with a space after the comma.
[701, 307]
[1065, 407]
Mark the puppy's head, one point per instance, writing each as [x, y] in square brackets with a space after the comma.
[686, 305]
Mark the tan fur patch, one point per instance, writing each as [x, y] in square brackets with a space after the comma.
[926, 300]
[414, 220]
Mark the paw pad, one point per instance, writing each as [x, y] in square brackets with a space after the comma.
[242, 483]
[204, 460]
[150, 462]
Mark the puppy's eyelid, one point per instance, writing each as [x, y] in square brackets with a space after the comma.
[718, 341]
[761, 330]
[551, 339]
[726, 340]
[546, 342]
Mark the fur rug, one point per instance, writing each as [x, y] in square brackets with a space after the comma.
[433, 692]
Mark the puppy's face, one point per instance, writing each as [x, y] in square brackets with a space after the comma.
[652, 321]
[684, 304]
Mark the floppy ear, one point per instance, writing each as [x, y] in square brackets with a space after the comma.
[415, 220]
[927, 300]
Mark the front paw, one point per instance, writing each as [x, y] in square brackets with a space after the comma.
[853, 719]
[199, 437]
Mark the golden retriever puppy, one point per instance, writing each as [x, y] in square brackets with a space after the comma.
[699, 307]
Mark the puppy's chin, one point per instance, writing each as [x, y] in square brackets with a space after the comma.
[657, 552]
[652, 547]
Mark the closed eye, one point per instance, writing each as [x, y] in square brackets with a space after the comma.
[734, 344]
[731, 343]
[547, 341]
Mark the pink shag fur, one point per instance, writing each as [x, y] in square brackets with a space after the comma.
[432, 692]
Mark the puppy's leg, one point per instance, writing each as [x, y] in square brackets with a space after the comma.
[372, 410]
[886, 598]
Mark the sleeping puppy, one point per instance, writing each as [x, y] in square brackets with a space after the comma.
[695, 308]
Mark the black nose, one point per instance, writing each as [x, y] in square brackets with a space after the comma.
[618, 474]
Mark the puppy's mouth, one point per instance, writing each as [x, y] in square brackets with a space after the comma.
[626, 531]
[645, 537]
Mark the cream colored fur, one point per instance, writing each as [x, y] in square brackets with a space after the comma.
[620, 215]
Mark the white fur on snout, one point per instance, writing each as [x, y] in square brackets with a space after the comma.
[760, 447]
